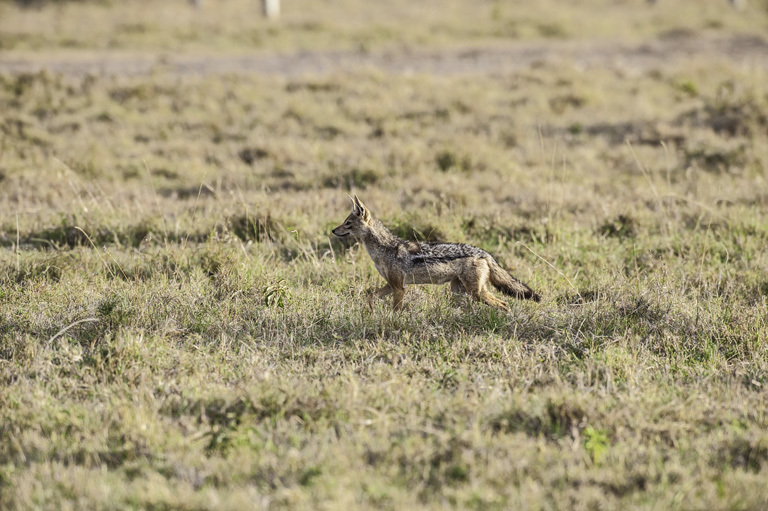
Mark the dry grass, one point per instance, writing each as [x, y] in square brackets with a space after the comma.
[179, 331]
[236, 25]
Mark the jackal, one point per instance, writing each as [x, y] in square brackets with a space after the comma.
[468, 269]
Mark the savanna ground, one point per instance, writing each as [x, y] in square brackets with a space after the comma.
[178, 330]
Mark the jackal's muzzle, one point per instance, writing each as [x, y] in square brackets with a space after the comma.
[340, 232]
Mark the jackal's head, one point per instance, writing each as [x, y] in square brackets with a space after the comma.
[357, 223]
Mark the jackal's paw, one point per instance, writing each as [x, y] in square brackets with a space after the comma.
[370, 298]
[459, 300]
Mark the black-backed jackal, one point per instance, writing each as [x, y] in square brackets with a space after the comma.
[469, 269]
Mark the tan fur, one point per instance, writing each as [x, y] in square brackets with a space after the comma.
[469, 269]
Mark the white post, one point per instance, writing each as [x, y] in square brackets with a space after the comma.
[271, 9]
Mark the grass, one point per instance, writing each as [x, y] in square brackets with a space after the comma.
[178, 329]
[237, 26]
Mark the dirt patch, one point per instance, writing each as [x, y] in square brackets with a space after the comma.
[663, 52]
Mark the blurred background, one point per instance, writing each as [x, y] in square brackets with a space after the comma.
[302, 25]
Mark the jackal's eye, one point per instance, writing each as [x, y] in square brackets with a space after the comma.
[347, 224]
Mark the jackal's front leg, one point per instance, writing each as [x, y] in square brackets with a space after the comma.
[397, 298]
[398, 291]
[458, 293]
[379, 293]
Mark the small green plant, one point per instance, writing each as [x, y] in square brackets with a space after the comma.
[276, 295]
[687, 87]
[596, 443]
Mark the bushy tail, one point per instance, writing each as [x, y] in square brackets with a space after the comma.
[509, 285]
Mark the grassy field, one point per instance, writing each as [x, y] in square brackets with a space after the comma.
[179, 330]
[236, 25]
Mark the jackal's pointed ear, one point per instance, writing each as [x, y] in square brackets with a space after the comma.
[356, 209]
[361, 209]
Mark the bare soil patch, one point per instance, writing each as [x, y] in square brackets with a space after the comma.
[668, 51]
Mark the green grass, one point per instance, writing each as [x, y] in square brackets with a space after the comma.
[179, 330]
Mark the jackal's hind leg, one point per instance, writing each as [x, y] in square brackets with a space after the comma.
[487, 298]
[476, 285]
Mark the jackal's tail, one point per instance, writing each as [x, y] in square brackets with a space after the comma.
[509, 285]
